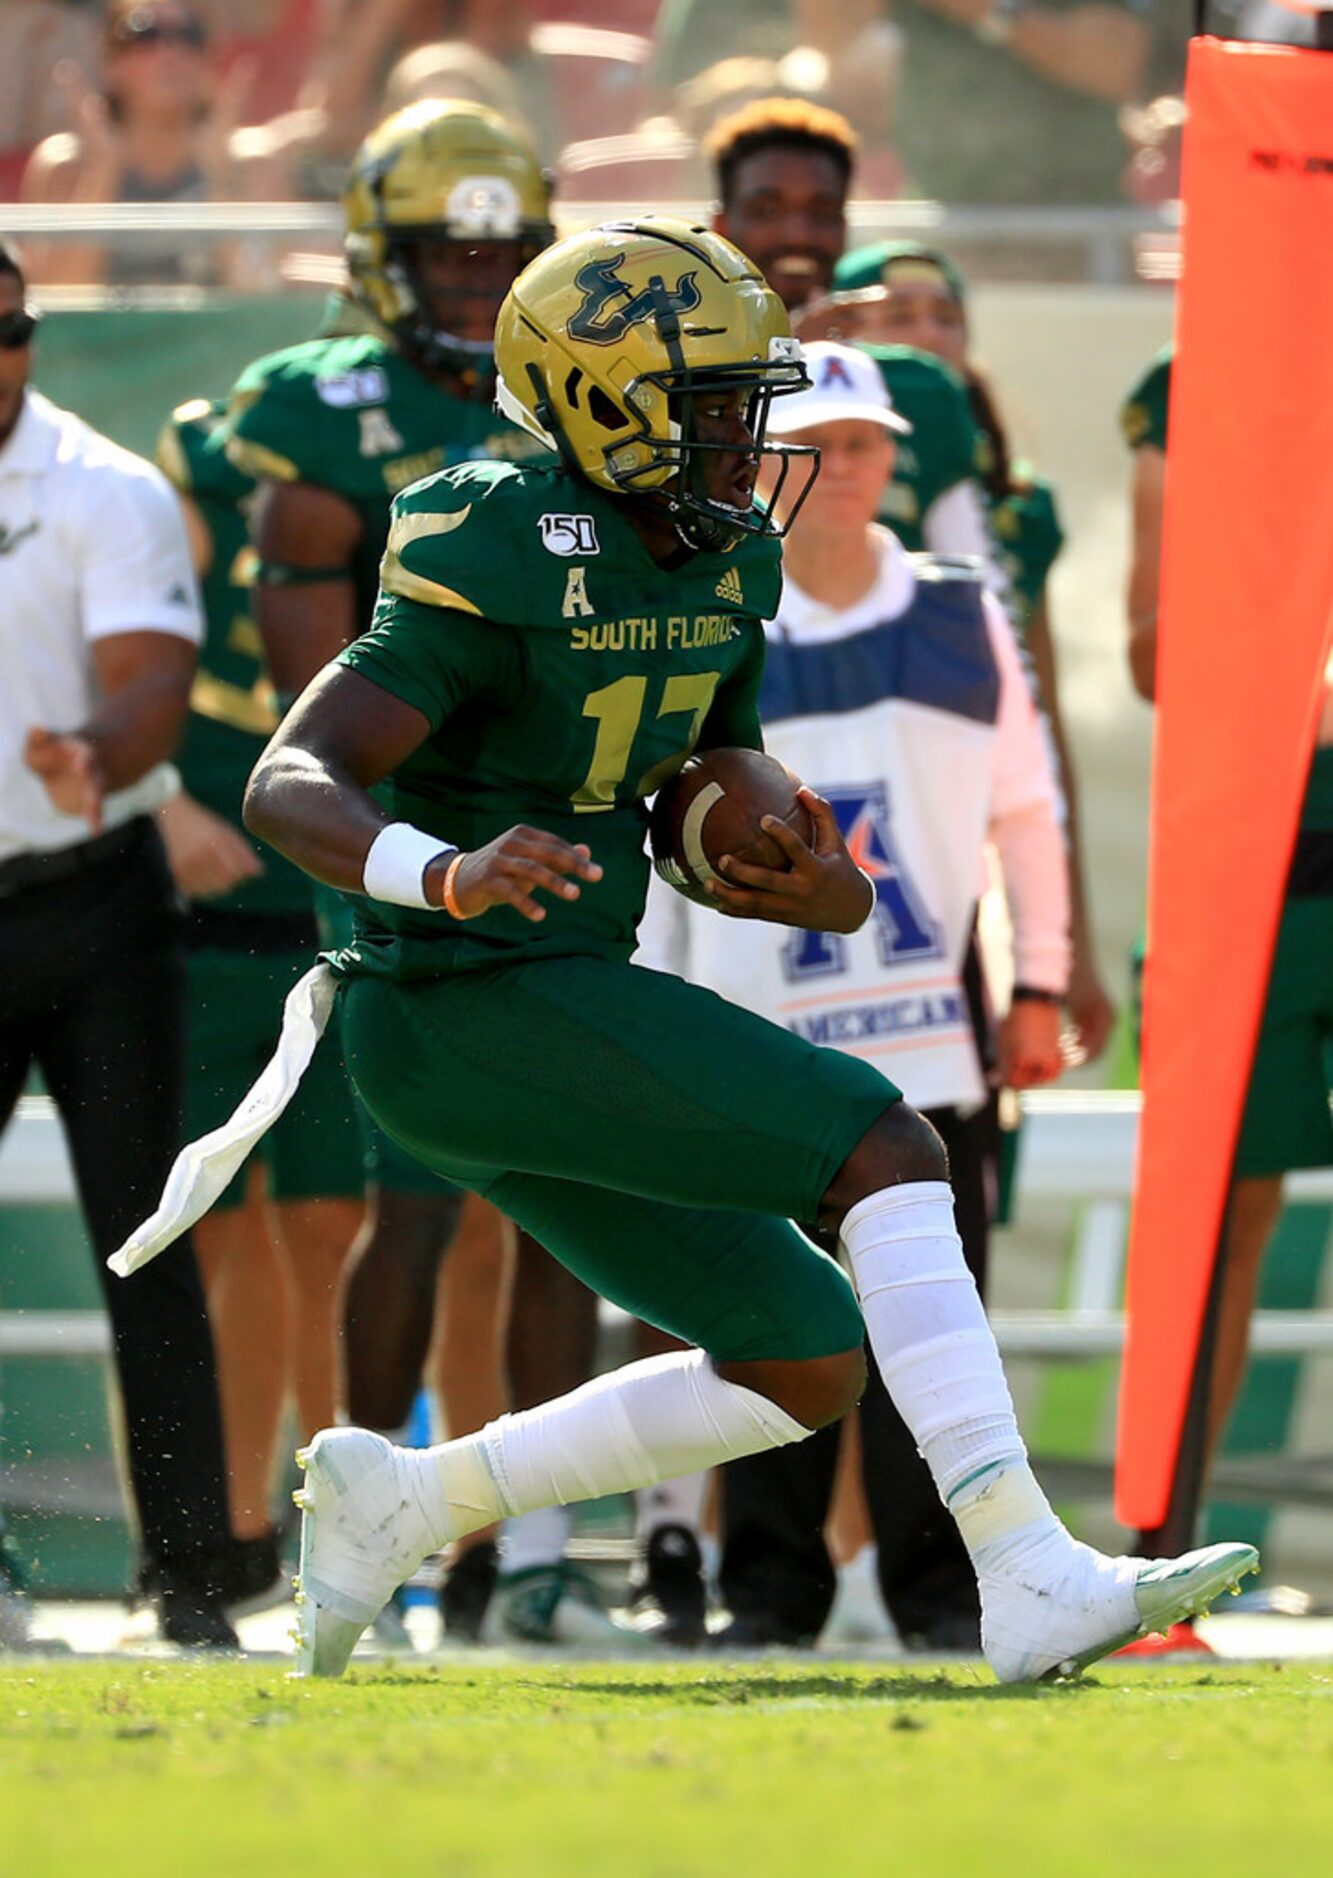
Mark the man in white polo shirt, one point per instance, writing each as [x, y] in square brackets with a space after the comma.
[99, 630]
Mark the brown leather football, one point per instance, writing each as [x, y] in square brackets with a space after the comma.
[714, 807]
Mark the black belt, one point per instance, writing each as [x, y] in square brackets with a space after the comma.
[44, 867]
[228, 929]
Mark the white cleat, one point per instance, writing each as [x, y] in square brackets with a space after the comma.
[362, 1535]
[1030, 1634]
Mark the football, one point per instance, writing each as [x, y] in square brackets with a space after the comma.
[714, 807]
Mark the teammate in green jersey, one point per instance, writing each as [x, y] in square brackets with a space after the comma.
[784, 172]
[250, 932]
[549, 646]
[444, 205]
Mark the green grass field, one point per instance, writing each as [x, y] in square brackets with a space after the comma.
[824, 1770]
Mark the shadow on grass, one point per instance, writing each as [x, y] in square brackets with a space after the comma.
[736, 1689]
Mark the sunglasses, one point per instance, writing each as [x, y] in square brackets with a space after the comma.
[17, 329]
[147, 29]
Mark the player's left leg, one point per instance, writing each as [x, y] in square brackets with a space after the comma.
[1048, 1603]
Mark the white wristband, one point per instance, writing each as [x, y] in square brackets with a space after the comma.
[396, 865]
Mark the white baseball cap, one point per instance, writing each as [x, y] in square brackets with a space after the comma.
[844, 382]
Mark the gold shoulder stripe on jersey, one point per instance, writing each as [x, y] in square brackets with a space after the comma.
[170, 455]
[729, 588]
[395, 578]
[255, 711]
[256, 459]
[420, 526]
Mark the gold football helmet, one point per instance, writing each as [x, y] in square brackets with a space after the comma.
[605, 342]
[440, 172]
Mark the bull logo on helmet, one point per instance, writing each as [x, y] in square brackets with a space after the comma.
[601, 322]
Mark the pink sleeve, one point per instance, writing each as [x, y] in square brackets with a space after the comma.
[1025, 823]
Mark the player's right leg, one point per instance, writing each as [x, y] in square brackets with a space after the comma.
[777, 1315]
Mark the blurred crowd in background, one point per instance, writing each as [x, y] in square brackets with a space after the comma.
[977, 102]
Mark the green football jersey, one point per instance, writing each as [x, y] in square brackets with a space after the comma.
[349, 413]
[233, 712]
[565, 676]
[1026, 525]
[1143, 414]
[945, 446]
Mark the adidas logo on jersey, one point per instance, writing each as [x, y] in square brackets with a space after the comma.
[729, 588]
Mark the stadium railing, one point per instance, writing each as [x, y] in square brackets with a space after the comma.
[1101, 242]
[1076, 1147]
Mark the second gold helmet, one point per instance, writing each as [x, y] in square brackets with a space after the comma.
[438, 171]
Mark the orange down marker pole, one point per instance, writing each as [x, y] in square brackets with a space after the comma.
[1245, 622]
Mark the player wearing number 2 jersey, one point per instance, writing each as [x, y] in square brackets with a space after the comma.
[653, 1136]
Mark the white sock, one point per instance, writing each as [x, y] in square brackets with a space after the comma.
[938, 1357]
[678, 1502]
[537, 1538]
[650, 1421]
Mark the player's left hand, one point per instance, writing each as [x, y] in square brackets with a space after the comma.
[822, 888]
[70, 772]
[1029, 1045]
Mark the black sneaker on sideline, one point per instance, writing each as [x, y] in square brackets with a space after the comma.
[669, 1600]
[465, 1594]
[250, 1575]
[757, 1633]
[189, 1607]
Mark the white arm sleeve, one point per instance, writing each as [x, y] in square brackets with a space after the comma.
[955, 523]
[1025, 823]
[664, 931]
[135, 572]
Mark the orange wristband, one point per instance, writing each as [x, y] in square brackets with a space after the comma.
[451, 905]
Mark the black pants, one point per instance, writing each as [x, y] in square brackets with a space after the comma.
[92, 990]
[776, 1572]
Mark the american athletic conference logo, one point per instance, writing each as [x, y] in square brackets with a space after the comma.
[600, 322]
[901, 920]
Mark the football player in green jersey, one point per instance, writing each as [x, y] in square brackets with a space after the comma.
[250, 931]
[910, 294]
[549, 646]
[444, 205]
[784, 172]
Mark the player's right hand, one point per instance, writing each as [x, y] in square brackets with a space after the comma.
[510, 870]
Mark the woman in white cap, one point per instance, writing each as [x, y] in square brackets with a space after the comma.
[893, 683]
